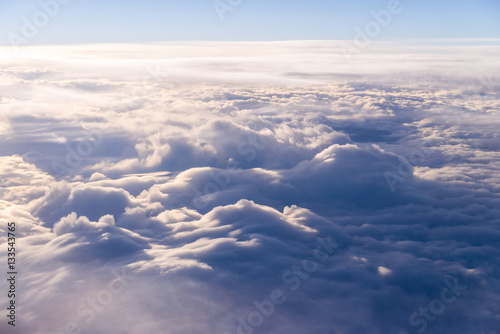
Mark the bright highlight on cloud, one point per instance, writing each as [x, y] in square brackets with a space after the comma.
[253, 188]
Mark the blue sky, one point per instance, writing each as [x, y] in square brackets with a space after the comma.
[149, 20]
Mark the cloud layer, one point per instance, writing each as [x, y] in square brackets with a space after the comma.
[253, 188]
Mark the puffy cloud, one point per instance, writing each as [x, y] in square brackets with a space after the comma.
[238, 188]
